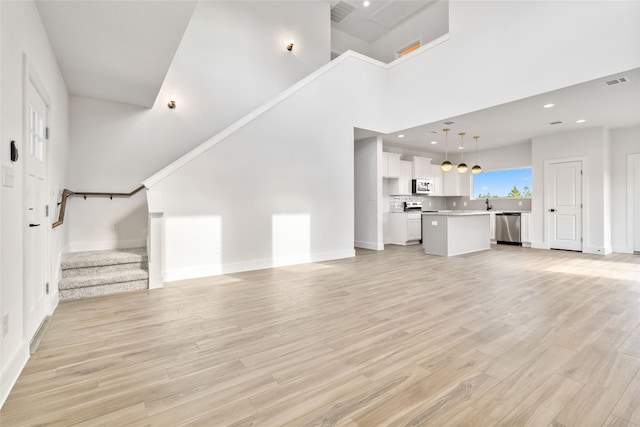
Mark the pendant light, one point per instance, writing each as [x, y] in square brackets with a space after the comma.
[446, 165]
[476, 169]
[462, 167]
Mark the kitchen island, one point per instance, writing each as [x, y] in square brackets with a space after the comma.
[448, 233]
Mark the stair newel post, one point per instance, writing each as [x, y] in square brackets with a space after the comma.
[155, 204]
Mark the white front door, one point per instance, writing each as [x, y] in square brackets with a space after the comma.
[565, 205]
[35, 200]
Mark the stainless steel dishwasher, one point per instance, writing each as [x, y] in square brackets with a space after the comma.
[508, 228]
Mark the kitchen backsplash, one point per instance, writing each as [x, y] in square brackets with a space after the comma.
[447, 203]
[514, 205]
[428, 203]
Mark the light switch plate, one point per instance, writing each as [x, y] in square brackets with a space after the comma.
[8, 177]
[434, 222]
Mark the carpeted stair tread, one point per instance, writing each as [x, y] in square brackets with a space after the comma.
[101, 290]
[103, 269]
[103, 279]
[102, 258]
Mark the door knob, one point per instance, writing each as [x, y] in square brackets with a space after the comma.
[34, 225]
[552, 210]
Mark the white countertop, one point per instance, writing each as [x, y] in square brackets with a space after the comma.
[456, 213]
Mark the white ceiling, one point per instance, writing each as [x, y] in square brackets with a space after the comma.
[369, 23]
[519, 121]
[115, 50]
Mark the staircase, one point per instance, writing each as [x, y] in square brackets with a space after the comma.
[96, 273]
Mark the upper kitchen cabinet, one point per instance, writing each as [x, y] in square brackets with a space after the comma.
[390, 165]
[435, 174]
[421, 167]
[406, 172]
[456, 183]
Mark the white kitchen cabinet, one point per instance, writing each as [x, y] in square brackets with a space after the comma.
[405, 228]
[492, 226]
[525, 229]
[386, 228]
[456, 183]
[414, 228]
[406, 172]
[435, 174]
[421, 167]
[390, 165]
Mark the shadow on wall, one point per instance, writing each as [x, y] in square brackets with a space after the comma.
[194, 245]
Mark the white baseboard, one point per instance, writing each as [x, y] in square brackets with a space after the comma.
[374, 246]
[597, 250]
[11, 370]
[215, 270]
[539, 245]
[623, 249]
[106, 245]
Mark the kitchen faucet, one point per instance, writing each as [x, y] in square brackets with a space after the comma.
[489, 207]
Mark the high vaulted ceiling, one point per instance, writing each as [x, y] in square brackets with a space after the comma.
[115, 50]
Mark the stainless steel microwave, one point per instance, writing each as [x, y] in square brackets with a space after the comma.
[422, 186]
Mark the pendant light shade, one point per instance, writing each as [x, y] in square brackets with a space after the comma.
[462, 167]
[476, 169]
[446, 166]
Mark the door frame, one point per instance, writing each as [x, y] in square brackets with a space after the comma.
[547, 202]
[631, 158]
[30, 76]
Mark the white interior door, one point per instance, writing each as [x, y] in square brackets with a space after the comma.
[565, 205]
[636, 204]
[35, 200]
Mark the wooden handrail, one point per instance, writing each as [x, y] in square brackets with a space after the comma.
[68, 193]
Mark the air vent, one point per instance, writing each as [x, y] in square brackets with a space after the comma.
[448, 123]
[613, 82]
[340, 11]
[555, 123]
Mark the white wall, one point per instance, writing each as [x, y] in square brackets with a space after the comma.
[280, 190]
[342, 42]
[425, 26]
[368, 194]
[591, 147]
[232, 58]
[21, 31]
[499, 51]
[624, 141]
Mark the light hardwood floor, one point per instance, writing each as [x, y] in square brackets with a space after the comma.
[507, 337]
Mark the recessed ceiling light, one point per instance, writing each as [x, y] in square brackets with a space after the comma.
[434, 142]
[366, 4]
[401, 135]
[461, 148]
[580, 121]
[548, 105]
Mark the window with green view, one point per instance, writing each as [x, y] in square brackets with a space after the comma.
[505, 184]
